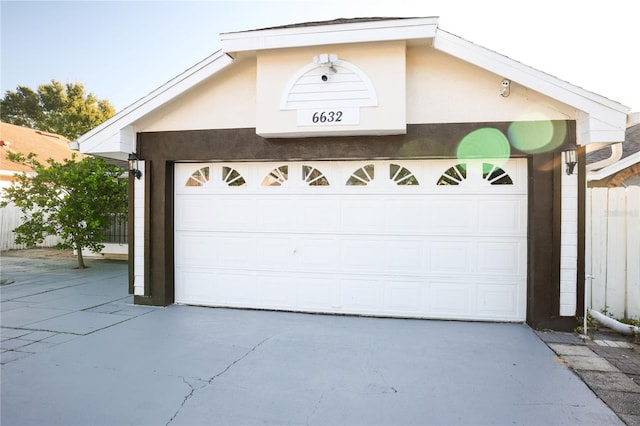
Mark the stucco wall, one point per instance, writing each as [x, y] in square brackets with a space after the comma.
[225, 100]
[444, 89]
[429, 87]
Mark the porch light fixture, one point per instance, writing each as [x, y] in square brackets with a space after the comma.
[133, 165]
[505, 87]
[570, 159]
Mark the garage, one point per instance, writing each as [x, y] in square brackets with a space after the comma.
[365, 166]
[408, 238]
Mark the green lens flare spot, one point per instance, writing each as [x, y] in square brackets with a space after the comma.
[484, 143]
[537, 136]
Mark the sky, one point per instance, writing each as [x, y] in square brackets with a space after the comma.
[122, 50]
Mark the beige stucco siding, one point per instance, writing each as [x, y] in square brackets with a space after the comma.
[383, 65]
[443, 89]
[413, 85]
[225, 100]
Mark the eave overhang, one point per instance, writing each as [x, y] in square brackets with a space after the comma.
[600, 120]
[115, 138]
[323, 34]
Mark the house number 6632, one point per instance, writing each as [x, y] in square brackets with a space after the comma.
[346, 116]
[327, 117]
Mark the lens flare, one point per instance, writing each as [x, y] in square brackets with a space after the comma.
[537, 136]
[487, 142]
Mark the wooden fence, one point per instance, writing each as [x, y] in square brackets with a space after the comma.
[613, 251]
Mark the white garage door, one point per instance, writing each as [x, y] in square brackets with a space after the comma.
[431, 239]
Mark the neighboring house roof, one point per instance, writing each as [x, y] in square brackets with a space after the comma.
[24, 140]
[602, 120]
[630, 155]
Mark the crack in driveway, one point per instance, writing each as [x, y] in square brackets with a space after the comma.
[211, 380]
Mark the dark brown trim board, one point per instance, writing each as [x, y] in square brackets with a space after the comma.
[161, 150]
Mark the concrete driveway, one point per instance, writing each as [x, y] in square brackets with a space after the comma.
[76, 352]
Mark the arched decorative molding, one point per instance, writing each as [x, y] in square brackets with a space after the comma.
[328, 82]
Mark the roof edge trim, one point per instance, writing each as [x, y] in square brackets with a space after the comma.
[614, 168]
[323, 34]
[145, 105]
[611, 114]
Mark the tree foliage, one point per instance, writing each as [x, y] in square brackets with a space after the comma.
[73, 200]
[56, 108]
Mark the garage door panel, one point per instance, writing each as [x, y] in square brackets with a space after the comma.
[405, 216]
[502, 217]
[503, 258]
[317, 253]
[406, 256]
[274, 214]
[451, 217]
[454, 257]
[189, 213]
[362, 294]
[315, 294]
[361, 255]
[360, 215]
[377, 248]
[275, 293]
[405, 297]
[274, 252]
[452, 299]
[497, 301]
[193, 249]
[318, 213]
[232, 214]
[205, 249]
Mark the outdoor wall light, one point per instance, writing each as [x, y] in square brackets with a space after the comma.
[133, 165]
[326, 61]
[505, 87]
[570, 159]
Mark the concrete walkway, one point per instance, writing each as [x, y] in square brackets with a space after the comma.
[75, 351]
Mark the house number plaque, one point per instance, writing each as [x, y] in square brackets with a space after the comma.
[328, 117]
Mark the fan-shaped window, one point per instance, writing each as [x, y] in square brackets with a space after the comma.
[313, 176]
[362, 176]
[199, 178]
[276, 177]
[401, 175]
[232, 177]
[453, 175]
[495, 175]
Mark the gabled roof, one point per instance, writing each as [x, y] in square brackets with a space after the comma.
[115, 139]
[25, 140]
[601, 120]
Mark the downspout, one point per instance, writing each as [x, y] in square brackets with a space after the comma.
[614, 324]
[616, 155]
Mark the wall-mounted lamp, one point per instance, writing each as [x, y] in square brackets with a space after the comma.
[505, 87]
[133, 165]
[570, 159]
[326, 61]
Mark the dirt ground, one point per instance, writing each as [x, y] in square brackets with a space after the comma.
[40, 253]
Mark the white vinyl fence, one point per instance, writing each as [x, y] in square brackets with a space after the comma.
[613, 251]
[10, 218]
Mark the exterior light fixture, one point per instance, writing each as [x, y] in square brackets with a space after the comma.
[570, 159]
[326, 61]
[505, 87]
[133, 165]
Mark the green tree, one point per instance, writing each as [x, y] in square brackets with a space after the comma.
[55, 108]
[73, 200]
